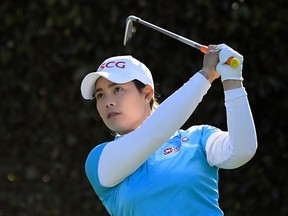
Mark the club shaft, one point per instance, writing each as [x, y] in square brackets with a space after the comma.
[170, 34]
[233, 62]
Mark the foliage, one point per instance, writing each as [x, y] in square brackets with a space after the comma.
[47, 129]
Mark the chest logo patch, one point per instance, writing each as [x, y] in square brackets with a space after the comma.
[185, 139]
[170, 150]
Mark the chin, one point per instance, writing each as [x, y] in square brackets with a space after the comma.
[120, 129]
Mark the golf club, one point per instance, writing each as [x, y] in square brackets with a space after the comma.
[130, 29]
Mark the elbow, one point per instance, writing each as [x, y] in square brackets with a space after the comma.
[239, 158]
[243, 157]
[246, 149]
[252, 148]
[250, 151]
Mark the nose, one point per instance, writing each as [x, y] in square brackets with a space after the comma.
[110, 102]
[109, 105]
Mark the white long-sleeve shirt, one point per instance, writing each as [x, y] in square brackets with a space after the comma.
[223, 149]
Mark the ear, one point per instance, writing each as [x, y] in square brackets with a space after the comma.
[149, 92]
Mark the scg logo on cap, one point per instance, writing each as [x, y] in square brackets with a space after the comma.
[112, 64]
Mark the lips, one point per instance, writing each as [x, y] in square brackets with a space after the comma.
[112, 114]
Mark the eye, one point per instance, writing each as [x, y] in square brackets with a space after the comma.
[117, 89]
[99, 96]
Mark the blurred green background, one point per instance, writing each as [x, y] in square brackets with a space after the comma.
[47, 129]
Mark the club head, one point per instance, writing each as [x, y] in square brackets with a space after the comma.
[130, 29]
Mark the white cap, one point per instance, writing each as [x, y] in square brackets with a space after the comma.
[118, 69]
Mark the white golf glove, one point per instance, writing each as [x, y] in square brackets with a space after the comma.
[226, 71]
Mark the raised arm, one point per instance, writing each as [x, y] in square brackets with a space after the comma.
[237, 146]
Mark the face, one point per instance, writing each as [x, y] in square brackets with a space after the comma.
[121, 106]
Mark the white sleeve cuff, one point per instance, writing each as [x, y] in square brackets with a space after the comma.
[234, 93]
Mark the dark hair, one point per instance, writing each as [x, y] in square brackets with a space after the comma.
[153, 102]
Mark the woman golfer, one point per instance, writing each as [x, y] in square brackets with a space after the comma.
[152, 167]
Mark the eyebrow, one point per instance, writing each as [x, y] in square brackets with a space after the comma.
[100, 89]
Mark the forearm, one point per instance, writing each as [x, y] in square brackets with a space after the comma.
[232, 84]
[235, 148]
[156, 130]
